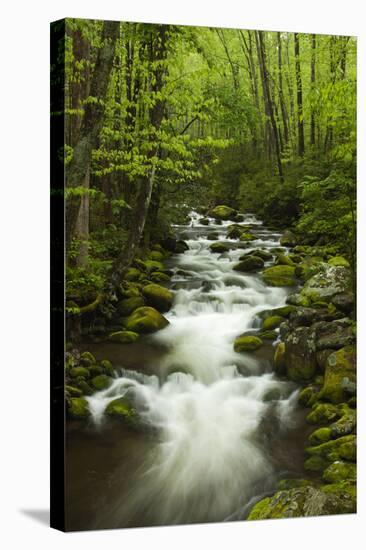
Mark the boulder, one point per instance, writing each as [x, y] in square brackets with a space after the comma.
[282, 259]
[73, 392]
[283, 311]
[219, 247]
[145, 320]
[340, 375]
[321, 456]
[246, 237]
[247, 343]
[133, 274]
[250, 263]
[78, 407]
[77, 372]
[303, 502]
[344, 301]
[180, 247]
[234, 232]
[222, 212]
[204, 221]
[101, 382]
[300, 355]
[309, 395]
[288, 239]
[156, 255]
[323, 286]
[321, 435]
[159, 277]
[334, 335]
[279, 359]
[158, 296]
[122, 408]
[87, 358]
[340, 471]
[297, 299]
[280, 275]
[323, 413]
[258, 253]
[272, 322]
[127, 306]
[339, 261]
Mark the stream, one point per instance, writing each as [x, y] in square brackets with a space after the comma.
[224, 427]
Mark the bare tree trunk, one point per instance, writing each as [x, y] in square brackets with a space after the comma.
[280, 90]
[312, 80]
[300, 113]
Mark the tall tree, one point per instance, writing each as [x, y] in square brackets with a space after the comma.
[312, 80]
[300, 112]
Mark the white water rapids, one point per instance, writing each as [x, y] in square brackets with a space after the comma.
[209, 407]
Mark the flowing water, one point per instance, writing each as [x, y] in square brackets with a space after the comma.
[224, 427]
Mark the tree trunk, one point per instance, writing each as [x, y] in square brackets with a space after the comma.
[78, 172]
[312, 80]
[280, 90]
[300, 113]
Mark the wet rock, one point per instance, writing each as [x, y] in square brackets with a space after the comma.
[101, 382]
[325, 285]
[123, 337]
[321, 435]
[335, 334]
[133, 274]
[156, 256]
[204, 221]
[234, 232]
[159, 277]
[219, 247]
[222, 212]
[302, 317]
[322, 357]
[246, 237]
[309, 395]
[279, 359]
[268, 335]
[344, 301]
[77, 372]
[339, 261]
[297, 299]
[272, 322]
[340, 375]
[300, 355]
[73, 392]
[122, 408]
[127, 306]
[145, 320]
[282, 259]
[303, 502]
[258, 253]
[280, 275]
[87, 358]
[288, 239]
[340, 471]
[247, 343]
[321, 456]
[158, 296]
[78, 407]
[323, 413]
[251, 263]
[346, 425]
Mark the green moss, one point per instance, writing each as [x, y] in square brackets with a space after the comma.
[95, 370]
[78, 407]
[126, 307]
[282, 259]
[298, 300]
[280, 275]
[87, 358]
[315, 464]
[336, 449]
[156, 256]
[308, 396]
[279, 358]
[321, 435]
[145, 320]
[101, 382]
[286, 484]
[340, 471]
[84, 386]
[75, 372]
[153, 265]
[122, 408]
[159, 277]
[124, 337]
[339, 261]
[158, 296]
[340, 374]
[247, 343]
[133, 274]
[73, 392]
[323, 413]
[222, 212]
[272, 322]
[251, 263]
[268, 335]
[107, 367]
[219, 247]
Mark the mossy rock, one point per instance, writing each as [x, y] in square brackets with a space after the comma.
[146, 320]
[121, 408]
[336, 449]
[234, 232]
[133, 274]
[76, 372]
[158, 296]
[107, 367]
[87, 358]
[300, 355]
[339, 261]
[78, 407]
[95, 370]
[282, 259]
[283, 311]
[73, 392]
[309, 395]
[129, 290]
[279, 359]
[219, 247]
[156, 256]
[346, 424]
[323, 286]
[303, 502]
[159, 277]
[286, 484]
[222, 212]
[288, 239]
[247, 237]
[153, 265]
[340, 375]
[251, 263]
[101, 382]
[323, 413]
[247, 343]
[279, 275]
[297, 299]
[126, 307]
[321, 435]
[204, 221]
[272, 322]
[124, 337]
[85, 388]
[340, 471]
[266, 256]
[268, 335]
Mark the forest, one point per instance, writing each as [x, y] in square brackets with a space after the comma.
[174, 134]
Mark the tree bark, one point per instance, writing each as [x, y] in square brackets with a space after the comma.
[280, 90]
[300, 113]
[312, 80]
